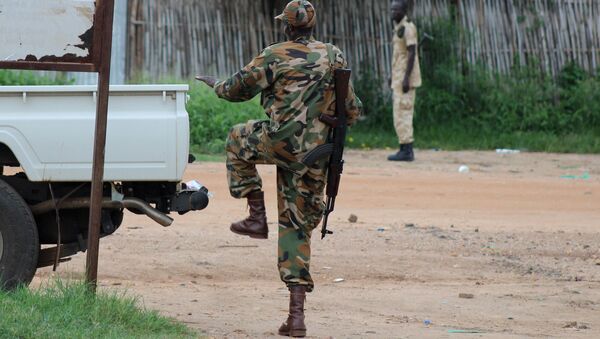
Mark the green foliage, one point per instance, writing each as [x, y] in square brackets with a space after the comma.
[580, 96]
[376, 104]
[474, 108]
[29, 78]
[211, 118]
[68, 310]
[203, 156]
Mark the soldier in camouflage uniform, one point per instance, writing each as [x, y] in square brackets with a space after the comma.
[295, 79]
[406, 78]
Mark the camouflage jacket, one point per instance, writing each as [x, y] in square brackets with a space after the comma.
[296, 82]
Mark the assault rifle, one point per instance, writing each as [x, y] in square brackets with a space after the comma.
[339, 126]
[335, 146]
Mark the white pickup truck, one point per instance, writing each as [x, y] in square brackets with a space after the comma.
[46, 136]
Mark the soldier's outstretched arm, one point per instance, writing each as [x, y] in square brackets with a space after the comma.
[244, 85]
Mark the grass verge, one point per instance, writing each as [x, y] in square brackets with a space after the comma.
[211, 118]
[67, 310]
[201, 156]
[455, 139]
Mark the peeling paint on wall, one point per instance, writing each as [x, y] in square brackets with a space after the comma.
[48, 31]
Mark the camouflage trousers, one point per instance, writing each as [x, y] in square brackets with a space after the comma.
[299, 198]
[404, 109]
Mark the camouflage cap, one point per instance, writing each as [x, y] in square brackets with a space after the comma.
[299, 14]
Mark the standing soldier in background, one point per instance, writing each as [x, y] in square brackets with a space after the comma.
[297, 85]
[406, 78]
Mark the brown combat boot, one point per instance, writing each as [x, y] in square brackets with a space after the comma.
[255, 226]
[294, 326]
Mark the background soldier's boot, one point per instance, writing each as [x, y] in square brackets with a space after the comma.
[405, 154]
[294, 326]
[255, 226]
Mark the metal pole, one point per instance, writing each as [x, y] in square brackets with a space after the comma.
[106, 9]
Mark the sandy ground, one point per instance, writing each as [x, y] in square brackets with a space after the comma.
[511, 232]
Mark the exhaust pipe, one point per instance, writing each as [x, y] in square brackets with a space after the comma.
[129, 203]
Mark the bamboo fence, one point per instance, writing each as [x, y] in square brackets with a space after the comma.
[179, 38]
[552, 32]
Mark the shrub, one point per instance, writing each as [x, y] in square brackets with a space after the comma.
[211, 118]
[29, 78]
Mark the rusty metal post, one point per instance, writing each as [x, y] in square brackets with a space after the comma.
[105, 8]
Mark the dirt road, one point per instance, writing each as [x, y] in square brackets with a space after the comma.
[524, 242]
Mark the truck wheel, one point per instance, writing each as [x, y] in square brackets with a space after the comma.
[19, 242]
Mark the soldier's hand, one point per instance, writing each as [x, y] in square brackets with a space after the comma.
[210, 81]
[406, 86]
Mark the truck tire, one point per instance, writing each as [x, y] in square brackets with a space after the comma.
[19, 242]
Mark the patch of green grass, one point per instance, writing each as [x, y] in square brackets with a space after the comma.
[455, 139]
[68, 310]
[459, 138]
[203, 157]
